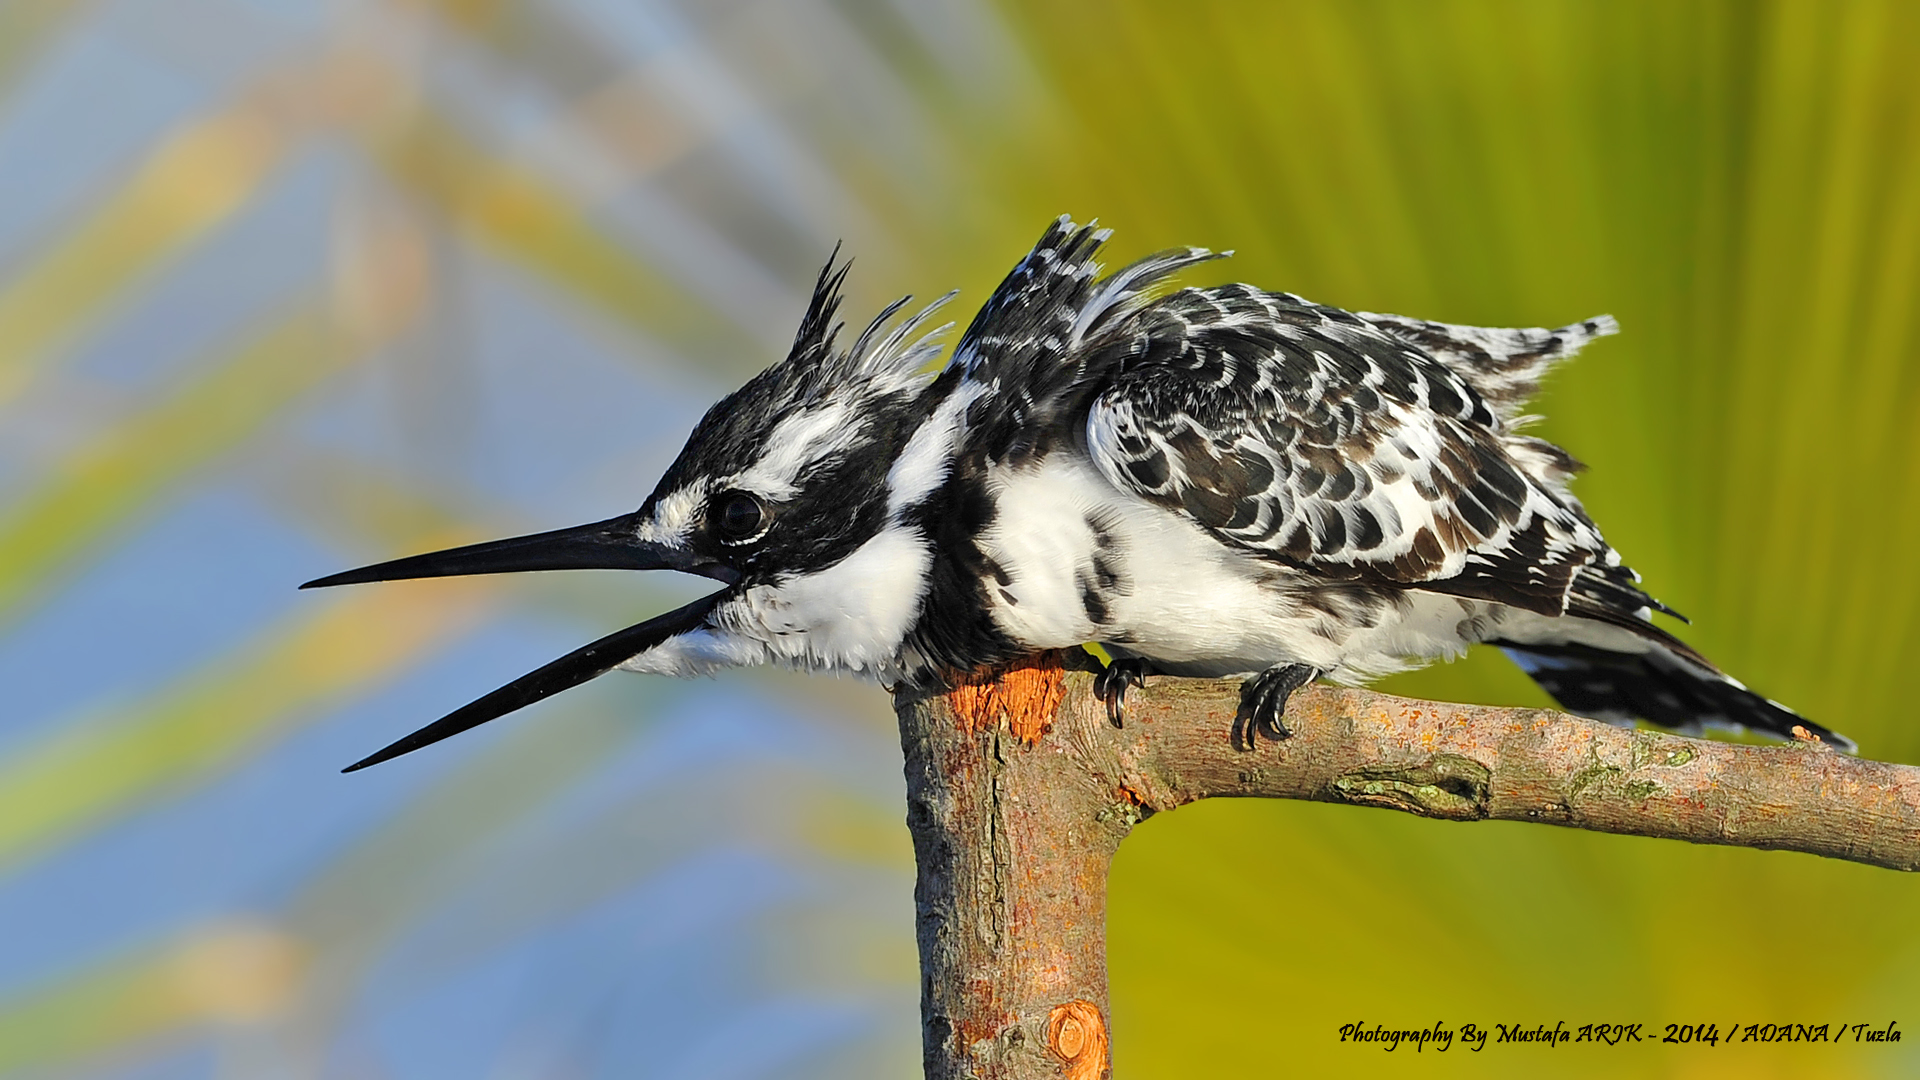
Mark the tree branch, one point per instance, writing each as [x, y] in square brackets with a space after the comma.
[1019, 791]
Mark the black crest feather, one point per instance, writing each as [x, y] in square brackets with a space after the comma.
[813, 342]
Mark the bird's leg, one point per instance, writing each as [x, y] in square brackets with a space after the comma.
[1112, 682]
[1263, 702]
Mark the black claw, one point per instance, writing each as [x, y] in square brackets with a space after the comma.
[1112, 682]
[1263, 703]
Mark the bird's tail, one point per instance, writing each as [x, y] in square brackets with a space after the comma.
[1666, 684]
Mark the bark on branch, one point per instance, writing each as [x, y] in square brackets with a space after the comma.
[1019, 791]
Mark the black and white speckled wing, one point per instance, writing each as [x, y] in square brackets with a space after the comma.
[1503, 365]
[1314, 436]
[1024, 347]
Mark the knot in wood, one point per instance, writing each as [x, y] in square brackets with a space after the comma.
[1077, 1035]
[1443, 786]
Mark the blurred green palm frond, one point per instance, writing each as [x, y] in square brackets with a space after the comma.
[188, 187]
[95, 489]
[346, 280]
[86, 772]
[1737, 185]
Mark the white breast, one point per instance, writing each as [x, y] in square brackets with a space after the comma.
[1083, 561]
[851, 616]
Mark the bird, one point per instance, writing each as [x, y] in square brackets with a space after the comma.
[1203, 481]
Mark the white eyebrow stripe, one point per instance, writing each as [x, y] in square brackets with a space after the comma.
[798, 441]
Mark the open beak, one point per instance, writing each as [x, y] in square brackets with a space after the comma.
[613, 544]
[569, 671]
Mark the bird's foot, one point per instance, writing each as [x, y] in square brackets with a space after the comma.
[1263, 703]
[1112, 682]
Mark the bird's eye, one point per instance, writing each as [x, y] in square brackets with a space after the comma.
[739, 516]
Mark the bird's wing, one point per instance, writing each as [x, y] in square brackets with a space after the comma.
[1024, 341]
[1311, 436]
[1504, 365]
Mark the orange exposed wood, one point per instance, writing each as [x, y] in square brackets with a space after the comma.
[1026, 694]
[1077, 1035]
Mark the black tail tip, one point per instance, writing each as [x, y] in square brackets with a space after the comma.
[1660, 687]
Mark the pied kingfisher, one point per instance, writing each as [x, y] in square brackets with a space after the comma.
[1206, 482]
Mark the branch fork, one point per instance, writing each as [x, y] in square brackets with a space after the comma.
[1019, 791]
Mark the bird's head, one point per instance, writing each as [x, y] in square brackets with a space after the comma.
[782, 480]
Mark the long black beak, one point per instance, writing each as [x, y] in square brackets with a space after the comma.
[569, 671]
[612, 544]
